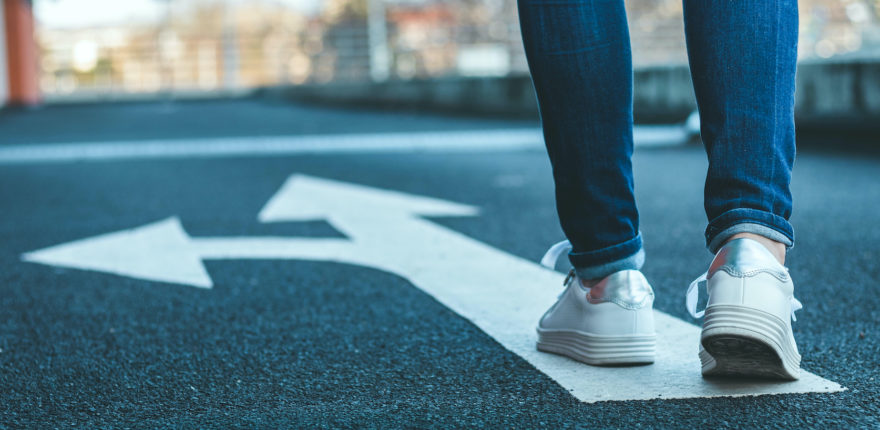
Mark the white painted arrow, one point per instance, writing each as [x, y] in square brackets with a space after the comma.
[502, 294]
[163, 252]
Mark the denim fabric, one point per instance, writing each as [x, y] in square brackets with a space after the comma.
[742, 56]
[594, 265]
[749, 227]
[743, 69]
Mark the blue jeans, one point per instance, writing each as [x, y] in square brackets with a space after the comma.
[742, 57]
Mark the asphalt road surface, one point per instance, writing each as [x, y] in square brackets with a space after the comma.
[296, 343]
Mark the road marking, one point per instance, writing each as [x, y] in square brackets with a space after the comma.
[433, 141]
[502, 294]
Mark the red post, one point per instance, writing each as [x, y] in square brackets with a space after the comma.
[21, 52]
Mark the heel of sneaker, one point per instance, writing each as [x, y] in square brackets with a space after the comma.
[743, 341]
[599, 350]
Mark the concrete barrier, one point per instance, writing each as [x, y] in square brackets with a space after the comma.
[828, 95]
[507, 96]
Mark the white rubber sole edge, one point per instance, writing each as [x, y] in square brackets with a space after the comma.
[598, 350]
[749, 323]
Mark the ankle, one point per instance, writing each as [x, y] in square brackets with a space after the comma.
[775, 248]
[589, 283]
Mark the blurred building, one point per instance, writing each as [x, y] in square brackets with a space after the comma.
[215, 45]
[204, 47]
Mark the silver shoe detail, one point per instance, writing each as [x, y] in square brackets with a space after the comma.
[628, 289]
[746, 257]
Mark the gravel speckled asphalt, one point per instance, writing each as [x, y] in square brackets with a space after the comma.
[304, 344]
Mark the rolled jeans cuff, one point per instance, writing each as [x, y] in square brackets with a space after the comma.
[755, 221]
[603, 262]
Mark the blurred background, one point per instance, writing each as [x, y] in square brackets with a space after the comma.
[90, 48]
[458, 56]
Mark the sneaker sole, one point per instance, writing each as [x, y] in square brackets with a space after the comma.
[739, 341]
[598, 350]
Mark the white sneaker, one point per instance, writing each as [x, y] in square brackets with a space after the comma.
[611, 322]
[747, 326]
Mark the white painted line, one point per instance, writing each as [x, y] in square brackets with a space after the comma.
[659, 135]
[502, 294]
[434, 141]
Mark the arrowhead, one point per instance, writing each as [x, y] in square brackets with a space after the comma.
[156, 252]
[304, 198]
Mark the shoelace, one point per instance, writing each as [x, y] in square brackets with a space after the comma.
[693, 294]
[552, 256]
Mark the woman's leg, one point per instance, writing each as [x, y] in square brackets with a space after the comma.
[743, 57]
[579, 56]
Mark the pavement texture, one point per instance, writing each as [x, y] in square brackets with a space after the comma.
[305, 344]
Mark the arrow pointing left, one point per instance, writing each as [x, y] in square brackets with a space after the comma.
[164, 252]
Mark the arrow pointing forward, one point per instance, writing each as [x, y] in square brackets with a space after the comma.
[305, 198]
[502, 294]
